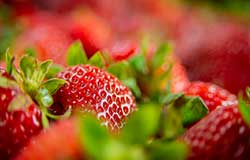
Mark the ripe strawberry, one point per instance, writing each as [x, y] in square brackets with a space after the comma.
[82, 24]
[38, 36]
[179, 79]
[122, 50]
[224, 61]
[213, 95]
[94, 90]
[17, 126]
[50, 145]
[220, 135]
[24, 101]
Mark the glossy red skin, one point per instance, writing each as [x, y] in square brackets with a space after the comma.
[60, 141]
[222, 134]
[213, 95]
[94, 90]
[16, 127]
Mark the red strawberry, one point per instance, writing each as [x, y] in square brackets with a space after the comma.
[24, 100]
[95, 90]
[213, 95]
[224, 61]
[51, 145]
[179, 79]
[93, 31]
[17, 126]
[220, 135]
[46, 35]
[122, 50]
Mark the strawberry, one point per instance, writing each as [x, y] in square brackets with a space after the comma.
[50, 145]
[95, 90]
[222, 134]
[24, 99]
[17, 125]
[122, 50]
[82, 24]
[38, 37]
[179, 79]
[223, 61]
[213, 95]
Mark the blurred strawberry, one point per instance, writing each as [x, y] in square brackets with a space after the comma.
[50, 145]
[122, 50]
[215, 52]
[220, 135]
[44, 35]
[93, 31]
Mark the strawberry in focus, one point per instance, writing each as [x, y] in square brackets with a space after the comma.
[94, 90]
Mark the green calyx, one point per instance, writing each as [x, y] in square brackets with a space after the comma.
[31, 79]
[244, 106]
[76, 55]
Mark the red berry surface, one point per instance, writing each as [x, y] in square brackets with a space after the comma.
[94, 90]
[213, 95]
[220, 135]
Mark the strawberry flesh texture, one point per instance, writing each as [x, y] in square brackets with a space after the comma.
[221, 135]
[213, 95]
[16, 127]
[94, 90]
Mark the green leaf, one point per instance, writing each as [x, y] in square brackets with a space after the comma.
[27, 65]
[117, 150]
[76, 54]
[171, 124]
[30, 52]
[191, 109]
[142, 124]
[248, 93]
[139, 64]
[93, 136]
[244, 109]
[43, 69]
[52, 85]
[45, 121]
[53, 70]
[170, 98]
[9, 61]
[97, 60]
[44, 98]
[132, 84]
[169, 150]
[160, 55]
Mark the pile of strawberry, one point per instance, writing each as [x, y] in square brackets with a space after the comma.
[105, 97]
[141, 107]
